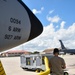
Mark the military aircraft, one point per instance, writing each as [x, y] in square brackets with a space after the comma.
[65, 50]
[17, 24]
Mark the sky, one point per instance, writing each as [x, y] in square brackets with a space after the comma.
[58, 20]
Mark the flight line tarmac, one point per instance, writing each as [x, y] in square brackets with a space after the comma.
[12, 65]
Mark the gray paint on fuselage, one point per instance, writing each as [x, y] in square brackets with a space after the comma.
[16, 26]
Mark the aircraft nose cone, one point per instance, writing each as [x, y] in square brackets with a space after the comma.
[36, 27]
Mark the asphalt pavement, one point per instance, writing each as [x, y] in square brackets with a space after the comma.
[12, 65]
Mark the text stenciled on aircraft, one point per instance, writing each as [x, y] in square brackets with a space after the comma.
[15, 29]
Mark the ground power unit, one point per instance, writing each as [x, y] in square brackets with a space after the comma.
[34, 61]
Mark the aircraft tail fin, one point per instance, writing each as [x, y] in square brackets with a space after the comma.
[62, 45]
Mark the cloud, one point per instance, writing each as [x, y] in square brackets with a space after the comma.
[54, 19]
[35, 11]
[50, 12]
[62, 24]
